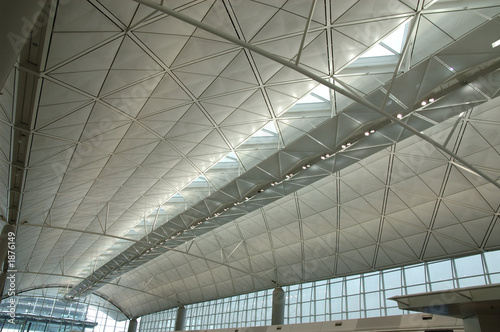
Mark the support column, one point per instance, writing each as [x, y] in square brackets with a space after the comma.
[132, 325]
[278, 309]
[481, 323]
[180, 321]
[17, 19]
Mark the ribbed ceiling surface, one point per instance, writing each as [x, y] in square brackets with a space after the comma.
[147, 130]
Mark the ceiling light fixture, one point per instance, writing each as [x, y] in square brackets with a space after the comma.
[495, 44]
[399, 116]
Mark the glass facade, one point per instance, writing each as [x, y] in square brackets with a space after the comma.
[360, 296]
[164, 320]
[45, 310]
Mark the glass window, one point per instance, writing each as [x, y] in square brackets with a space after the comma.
[492, 259]
[353, 314]
[469, 266]
[372, 282]
[392, 311]
[321, 308]
[337, 305]
[335, 299]
[472, 281]
[392, 292]
[306, 294]
[392, 279]
[416, 289]
[373, 313]
[321, 292]
[353, 286]
[442, 285]
[353, 302]
[336, 289]
[440, 271]
[495, 278]
[372, 300]
[415, 275]
[73, 315]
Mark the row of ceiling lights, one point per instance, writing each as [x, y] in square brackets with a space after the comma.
[246, 198]
[428, 101]
[217, 214]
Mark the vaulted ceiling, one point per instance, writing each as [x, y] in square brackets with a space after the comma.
[154, 163]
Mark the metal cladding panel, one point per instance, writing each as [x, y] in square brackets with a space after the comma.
[151, 145]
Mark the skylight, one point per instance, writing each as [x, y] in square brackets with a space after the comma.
[390, 45]
[177, 196]
[268, 130]
[375, 51]
[396, 39]
[228, 158]
[200, 178]
[320, 94]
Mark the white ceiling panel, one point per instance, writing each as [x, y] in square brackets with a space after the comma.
[177, 166]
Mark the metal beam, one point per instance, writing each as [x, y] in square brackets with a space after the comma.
[401, 58]
[315, 77]
[27, 95]
[311, 12]
[18, 21]
[253, 48]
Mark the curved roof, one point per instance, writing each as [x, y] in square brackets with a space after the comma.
[156, 163]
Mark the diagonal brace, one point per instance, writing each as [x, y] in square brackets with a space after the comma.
[316, 78]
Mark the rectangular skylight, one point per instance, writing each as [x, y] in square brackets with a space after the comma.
[396, 39]
[376, 51]
[320, 94]
[268, 130]
[390, 45]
